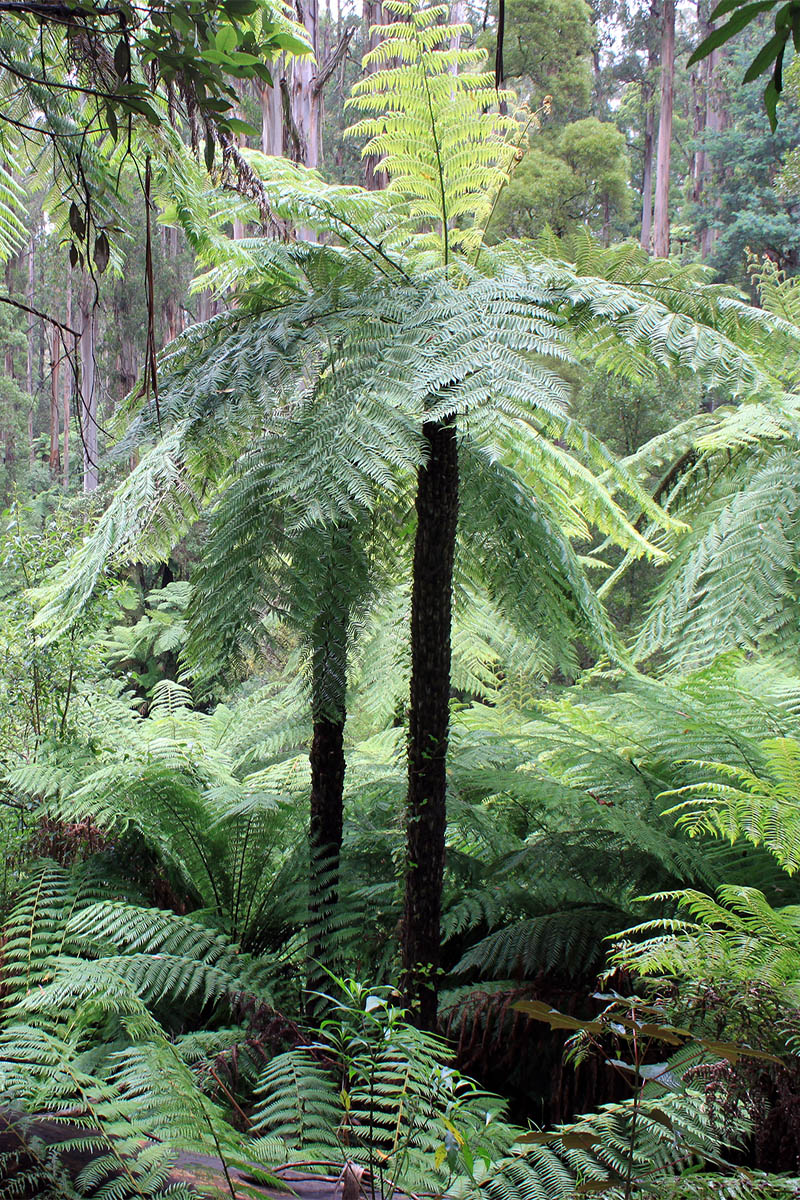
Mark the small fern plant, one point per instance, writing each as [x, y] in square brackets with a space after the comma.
[374, 1092]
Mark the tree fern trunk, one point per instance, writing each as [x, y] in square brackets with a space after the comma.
[325, 836]
[329, 710]
[431, 605]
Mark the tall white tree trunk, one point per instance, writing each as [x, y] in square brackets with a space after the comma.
[647, 177]
[714, 123]
[55, 402]
[649, 135]
[172, 312]
[304, 97]
[272, 112]
[661, 215]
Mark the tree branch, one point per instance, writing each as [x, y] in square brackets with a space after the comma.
[56, 12]
[332, 61]
[43, 316]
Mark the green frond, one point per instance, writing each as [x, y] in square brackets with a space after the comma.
[148, 515]
[396, 1099]
[570, 940]
[730, 582]
[738, 937]
[437, 125]
[13, 231]
[300, 1104]
[760, 806]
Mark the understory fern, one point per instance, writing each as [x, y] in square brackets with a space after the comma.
[381, 1096]
[741, 934]
[90, 1035]
[560, 819]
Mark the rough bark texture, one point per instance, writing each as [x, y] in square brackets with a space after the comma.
[325, 824]
[661, 214]
[328, 709]
[431, 606]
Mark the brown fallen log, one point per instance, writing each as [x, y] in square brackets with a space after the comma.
[39, 1158]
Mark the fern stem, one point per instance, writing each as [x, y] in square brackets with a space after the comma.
[437, 150]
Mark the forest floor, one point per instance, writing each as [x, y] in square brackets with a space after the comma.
[23, 1140]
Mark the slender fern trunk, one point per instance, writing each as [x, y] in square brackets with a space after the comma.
[431, 607]
[325, 823]
[329, 712]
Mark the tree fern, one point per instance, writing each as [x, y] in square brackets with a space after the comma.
[559, 817]
[80, 1039]
[739, 936]
[730, 584]
[223, 825]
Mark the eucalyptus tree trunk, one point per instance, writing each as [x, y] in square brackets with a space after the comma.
[302, 98]
[272, 114]
[8, 353]
[426, 818]
[698, 160]
[172, 315]
[661, 215]
[647, 176]
[29, 358]
[649, 136]
[714, 123]
[7, 428]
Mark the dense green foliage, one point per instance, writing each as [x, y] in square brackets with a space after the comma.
[400, 748]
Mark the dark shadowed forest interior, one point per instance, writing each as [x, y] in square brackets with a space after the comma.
[400, 599]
